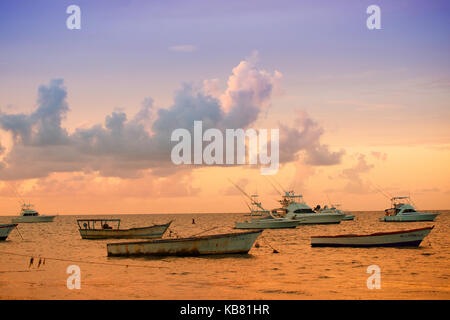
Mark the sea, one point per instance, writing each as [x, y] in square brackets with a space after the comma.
[38, 260]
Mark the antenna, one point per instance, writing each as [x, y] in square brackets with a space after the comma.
[329, 201]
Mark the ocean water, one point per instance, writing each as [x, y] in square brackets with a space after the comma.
[298, 271]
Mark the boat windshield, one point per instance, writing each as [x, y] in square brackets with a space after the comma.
[30, 214]
[306, 210]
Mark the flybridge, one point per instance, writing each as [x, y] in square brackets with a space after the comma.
[212, 154]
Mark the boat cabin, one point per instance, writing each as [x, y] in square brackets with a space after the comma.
[28, 211]
[99, 224]
[400, 205]
[292, 203]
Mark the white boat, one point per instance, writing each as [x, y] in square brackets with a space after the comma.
[5, 229]
[404, 238]
[294, 207]
[29, 215]
[267, 223]
[256, 211]
[263, 219]
[240, 242]
[402, 210]
[110, 229]
[335, 208]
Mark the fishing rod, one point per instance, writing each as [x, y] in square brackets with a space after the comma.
[273, 186]
[388, 196]
[15, 192]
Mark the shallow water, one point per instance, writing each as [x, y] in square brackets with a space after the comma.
[296, 272]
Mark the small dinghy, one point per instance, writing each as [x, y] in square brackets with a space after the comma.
[227, 243]
[5, 229]
[405, 238]
[110, 229]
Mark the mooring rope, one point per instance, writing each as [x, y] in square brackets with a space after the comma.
[43, 259]
[267, 242]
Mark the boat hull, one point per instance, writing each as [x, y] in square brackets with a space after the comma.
[267, 224]
[152, 232]
[410, 217]
[348, 218]
[319, 218]
[5, 229]
[408, 238]
[33, 219]
[205, 245]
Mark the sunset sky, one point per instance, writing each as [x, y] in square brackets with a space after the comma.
[86, 115]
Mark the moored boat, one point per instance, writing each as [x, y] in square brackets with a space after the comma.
[5, 229]
[348, 217]
[263, 219]
[404, 238]
[402, 210]
[294, 207]
[267, 223]
[110, 229]
[202, 245]
[29, 215]
[335, 208]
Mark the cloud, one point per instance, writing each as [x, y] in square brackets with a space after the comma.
[305, 136]
[367, 106]
[379, 155]
[100, 189]
[126, 147]
[183, 48]
[353, 175]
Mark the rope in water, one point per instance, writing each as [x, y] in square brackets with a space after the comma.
[77, 261]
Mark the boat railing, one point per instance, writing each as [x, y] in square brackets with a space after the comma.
[99, 224]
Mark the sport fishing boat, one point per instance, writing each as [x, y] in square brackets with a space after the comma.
[263, 219]
[110, 229]
[294, 207]
[402, 210]
[29, 215]
[336, 208]
[404, 238]
[5, 229]
[267, 223]
[240, 242]
[255, 211]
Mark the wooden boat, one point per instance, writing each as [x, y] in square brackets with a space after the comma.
[408, 238]
[202, 245]
[5, 229]
[110, 229]
[29, 215]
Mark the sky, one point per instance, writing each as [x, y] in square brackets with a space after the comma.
[86, 115]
